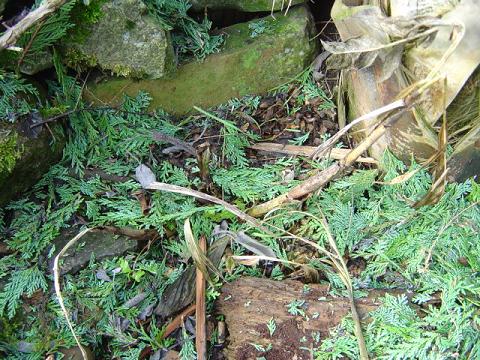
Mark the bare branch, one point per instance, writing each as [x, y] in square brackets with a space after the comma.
[11, 35]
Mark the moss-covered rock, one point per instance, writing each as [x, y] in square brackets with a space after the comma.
[125, 40]
[247, 65]
[101, 243]
[3, 3]
[243, 5]
[25, 156]
[38, 62]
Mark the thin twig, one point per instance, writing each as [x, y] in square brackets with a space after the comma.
[29, 45]
[343, 271]
[200, 323]
[295, 150]
[178, 320]
[58, 292]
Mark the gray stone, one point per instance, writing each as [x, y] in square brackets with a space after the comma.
[251, 62]
[244, 5]
[38, 62]
[101, 244]
[127, 41]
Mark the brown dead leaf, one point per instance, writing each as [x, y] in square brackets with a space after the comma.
[144, 202]
[440, 171]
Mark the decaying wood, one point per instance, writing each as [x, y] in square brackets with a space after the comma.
[250, 303]
[294, 150]
[200, 311]
[11, 35]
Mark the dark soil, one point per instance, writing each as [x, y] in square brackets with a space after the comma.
[292, 345]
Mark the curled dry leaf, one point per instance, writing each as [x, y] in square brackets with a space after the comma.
[254, 246]
[102, 275]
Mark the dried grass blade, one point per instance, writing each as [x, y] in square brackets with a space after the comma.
[323, 148]
[146, 178]
[199, 195]
[254, 246]
[343, 272]
[58, 291]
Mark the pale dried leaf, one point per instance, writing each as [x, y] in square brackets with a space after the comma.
[402, 178]
[144, 175]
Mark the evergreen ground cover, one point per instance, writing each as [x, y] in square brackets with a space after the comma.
[431, 251]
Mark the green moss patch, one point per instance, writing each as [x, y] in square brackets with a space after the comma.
[9, 152]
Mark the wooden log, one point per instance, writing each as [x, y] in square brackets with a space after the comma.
[249, 304]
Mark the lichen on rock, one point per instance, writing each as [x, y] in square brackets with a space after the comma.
[125, 40]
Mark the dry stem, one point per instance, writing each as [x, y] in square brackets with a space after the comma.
[295, 150]
[58, 291]
[321, 178]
